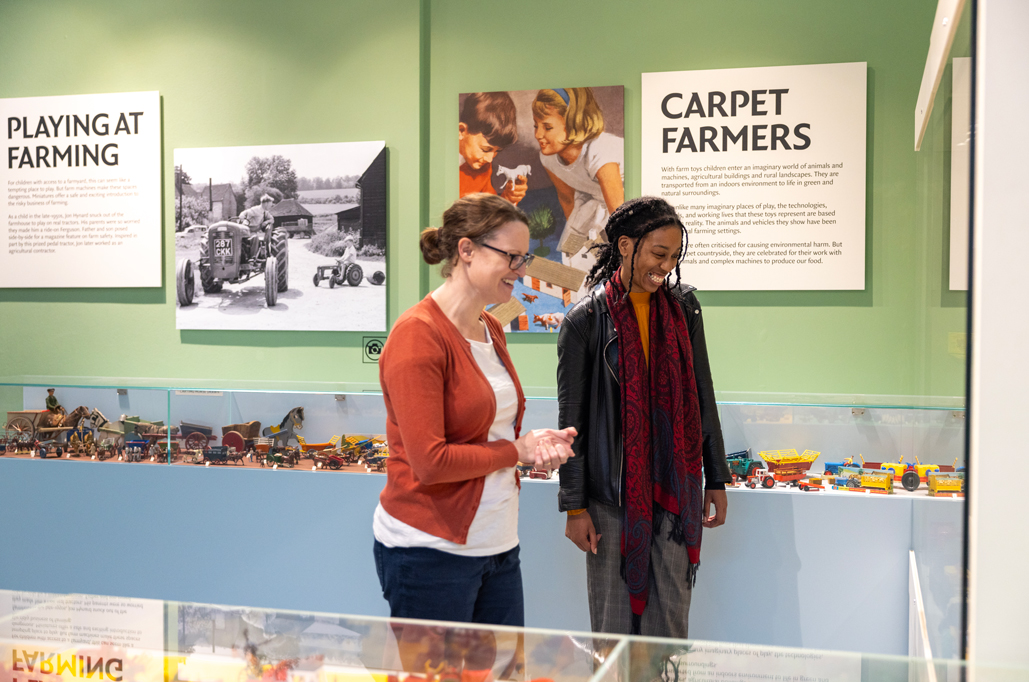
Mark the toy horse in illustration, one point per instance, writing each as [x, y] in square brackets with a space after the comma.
[512, 173]
[293, 421]
[529, 298]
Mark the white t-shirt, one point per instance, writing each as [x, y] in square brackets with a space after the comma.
[495, 527]
[581, 174]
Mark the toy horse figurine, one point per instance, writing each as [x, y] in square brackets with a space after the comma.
[281, 434]
[75, 416]
[98, 418]
[53, 420]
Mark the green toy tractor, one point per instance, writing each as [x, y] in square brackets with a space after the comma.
[229, 256]
[742, 465]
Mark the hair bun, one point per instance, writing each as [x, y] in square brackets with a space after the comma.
[429, 244]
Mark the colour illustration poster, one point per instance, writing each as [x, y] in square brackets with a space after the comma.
[559, 155]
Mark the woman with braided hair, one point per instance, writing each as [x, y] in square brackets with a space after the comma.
[634, 380]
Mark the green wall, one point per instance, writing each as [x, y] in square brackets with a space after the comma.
[351, 71]
[392, 70]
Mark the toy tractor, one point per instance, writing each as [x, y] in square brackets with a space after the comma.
[910, 475]
[742, 465]
[762, 477]
[833, 468]
[349, 273]
[228, 256]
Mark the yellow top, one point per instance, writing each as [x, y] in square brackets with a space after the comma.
[641, 306]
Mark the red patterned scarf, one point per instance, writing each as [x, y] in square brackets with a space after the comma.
[661, 436]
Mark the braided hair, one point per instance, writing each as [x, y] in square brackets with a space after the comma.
[634, 219]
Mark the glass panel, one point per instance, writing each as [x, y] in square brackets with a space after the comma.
[74, 422]
[936, 402]
[214, 383]
[325, 431]
[219, 642]
[66, 638]
[866, 436]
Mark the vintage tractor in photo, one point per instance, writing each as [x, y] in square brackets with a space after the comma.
[229, 256]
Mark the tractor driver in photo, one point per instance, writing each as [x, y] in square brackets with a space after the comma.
[257, 219]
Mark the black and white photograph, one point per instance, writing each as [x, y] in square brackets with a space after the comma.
[289, 237]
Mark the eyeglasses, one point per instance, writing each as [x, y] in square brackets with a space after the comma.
[517, 259]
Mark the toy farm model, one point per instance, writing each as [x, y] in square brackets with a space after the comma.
[741, 465]
[782, 466]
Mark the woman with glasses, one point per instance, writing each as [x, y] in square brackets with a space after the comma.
[446, 527]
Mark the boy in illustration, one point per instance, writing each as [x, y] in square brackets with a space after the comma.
[584, 163]
[487, 125]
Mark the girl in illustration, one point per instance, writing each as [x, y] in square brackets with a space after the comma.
[584, 162]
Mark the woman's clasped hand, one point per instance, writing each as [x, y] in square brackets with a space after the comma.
[546, 449]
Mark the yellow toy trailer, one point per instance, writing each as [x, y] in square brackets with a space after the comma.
[949, 484]
[865, 480]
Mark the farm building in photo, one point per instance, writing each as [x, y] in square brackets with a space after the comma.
[295, 218]
[373, 203]
[220, 199]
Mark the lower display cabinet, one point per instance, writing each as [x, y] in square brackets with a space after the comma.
[74, 637]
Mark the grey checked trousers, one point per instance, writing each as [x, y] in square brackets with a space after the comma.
[668, 606]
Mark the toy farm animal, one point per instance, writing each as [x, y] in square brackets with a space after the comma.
[284, 432]
[54, 420]
[513, 173]
[529, 298]
[549, 320]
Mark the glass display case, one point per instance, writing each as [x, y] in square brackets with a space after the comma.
[824, 522]
[71, 637]
[776, 442]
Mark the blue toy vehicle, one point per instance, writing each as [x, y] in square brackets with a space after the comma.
[833, 468]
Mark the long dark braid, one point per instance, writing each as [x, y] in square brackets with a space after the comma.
[634, 219]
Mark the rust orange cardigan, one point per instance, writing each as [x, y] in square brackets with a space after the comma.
[439, 409]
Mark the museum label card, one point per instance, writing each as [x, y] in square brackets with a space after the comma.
[766, 167]
[80, 191]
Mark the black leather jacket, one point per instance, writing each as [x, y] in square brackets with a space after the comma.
[589, 399]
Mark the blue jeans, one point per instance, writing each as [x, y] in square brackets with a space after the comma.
[429, 584]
